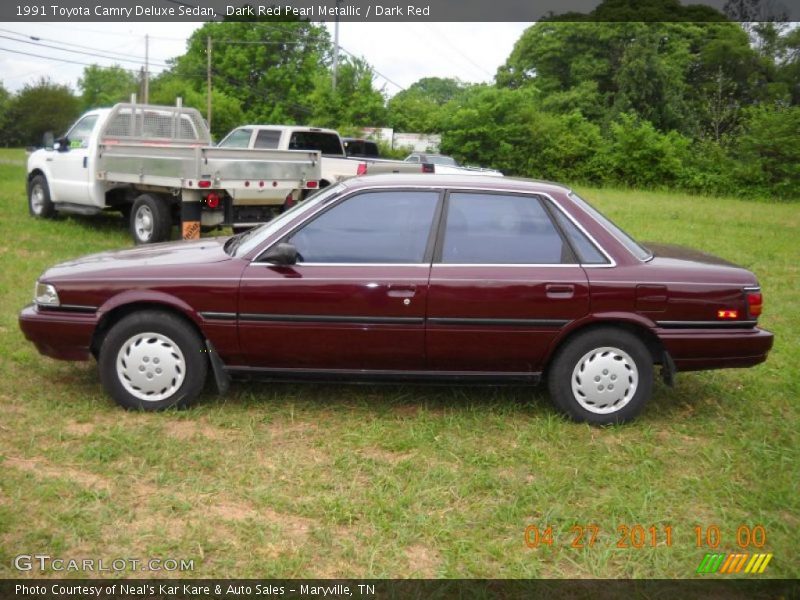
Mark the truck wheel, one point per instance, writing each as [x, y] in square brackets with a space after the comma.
[150, 220]
[152, 360]
[39, 203]
[602, 376]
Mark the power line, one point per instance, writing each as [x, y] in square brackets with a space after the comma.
[38, 38]
[95, 55]
[65, 60]
[440, 37]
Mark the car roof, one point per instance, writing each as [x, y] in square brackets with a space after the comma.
[510, 184]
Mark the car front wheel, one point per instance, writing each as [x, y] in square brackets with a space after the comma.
[602, 376]
[151, 361]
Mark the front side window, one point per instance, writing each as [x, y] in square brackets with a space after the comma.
[373, 227]
[80, 133]
[237, 139]
[501, 229]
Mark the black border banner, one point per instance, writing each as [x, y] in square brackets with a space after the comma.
[397, 10]
[372, 589]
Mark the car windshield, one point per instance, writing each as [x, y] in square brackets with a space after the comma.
[626, 240]
[252, 238]
[438, 159]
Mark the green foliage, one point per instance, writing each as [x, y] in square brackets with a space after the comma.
[354, 102]
[421, 107]
[105, 86]
[37, 108]
[270, 68]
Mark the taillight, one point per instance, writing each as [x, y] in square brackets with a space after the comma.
[362, 169]
[212, 200]
[289, 202]
[428, 168]
[312, 184]
[204, 183]
[755, 302]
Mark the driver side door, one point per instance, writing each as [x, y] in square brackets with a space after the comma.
[356, 299]
[70, 179]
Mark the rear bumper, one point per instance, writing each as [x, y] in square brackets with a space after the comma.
[59, 334]
[698, 349]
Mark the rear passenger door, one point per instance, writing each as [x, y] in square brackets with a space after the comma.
[504, 282]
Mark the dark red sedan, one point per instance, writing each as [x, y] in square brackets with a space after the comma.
[469, 279]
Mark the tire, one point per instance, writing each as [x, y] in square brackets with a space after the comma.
[138, 346]
[150, 220]
[586, 373]
[39, 203]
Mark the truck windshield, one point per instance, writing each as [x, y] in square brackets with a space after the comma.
[326, 143]
[254, 237]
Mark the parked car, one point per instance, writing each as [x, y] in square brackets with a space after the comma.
[361, 148]
[447, 165]
[425, 277]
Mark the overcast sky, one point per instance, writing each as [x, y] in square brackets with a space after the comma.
[401, 52]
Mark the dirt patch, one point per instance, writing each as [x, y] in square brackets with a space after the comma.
[187, 430]
[41, 468]
[292, 525]
[79, 429]
[423, 561]
[382, 455]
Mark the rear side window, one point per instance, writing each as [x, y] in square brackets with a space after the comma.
[268, 139]
[588, 254]
[237, 139]
[326, 143]
[501, 229]
[373, 227]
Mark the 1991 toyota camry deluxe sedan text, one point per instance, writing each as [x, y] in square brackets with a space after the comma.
[407, 277]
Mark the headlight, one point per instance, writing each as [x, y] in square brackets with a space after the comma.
[45, 294]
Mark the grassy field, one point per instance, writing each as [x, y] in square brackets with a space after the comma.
[280, 480]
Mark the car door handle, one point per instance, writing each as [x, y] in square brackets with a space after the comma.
[402, 291]
[559, 290]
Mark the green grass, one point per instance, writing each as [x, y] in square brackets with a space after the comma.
[321, 480]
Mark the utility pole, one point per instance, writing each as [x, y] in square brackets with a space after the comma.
[208, 79]
[146, 68]
[336, 45]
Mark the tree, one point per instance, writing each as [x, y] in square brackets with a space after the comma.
[354, 103]
[420, 107]
[269, 68]
[38, 108]
[105, 86]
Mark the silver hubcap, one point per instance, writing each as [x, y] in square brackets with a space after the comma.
[143, 223]
[37, 199]
[150, 366]
[604, 380]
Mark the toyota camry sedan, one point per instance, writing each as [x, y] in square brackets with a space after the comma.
[404, 277]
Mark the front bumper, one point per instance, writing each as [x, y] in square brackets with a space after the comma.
[699, 349]
[58, 333]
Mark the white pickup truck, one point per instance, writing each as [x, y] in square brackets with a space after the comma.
[335, 163]
[156, 165]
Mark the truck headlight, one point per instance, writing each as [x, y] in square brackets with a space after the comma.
[45, 294]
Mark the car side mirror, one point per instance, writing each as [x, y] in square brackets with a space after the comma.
[61, 144]
[48, 140]
[282, 254]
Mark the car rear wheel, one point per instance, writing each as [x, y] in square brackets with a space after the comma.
[603, 376]
[150, 220]
[39, 203]
[151, 361]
